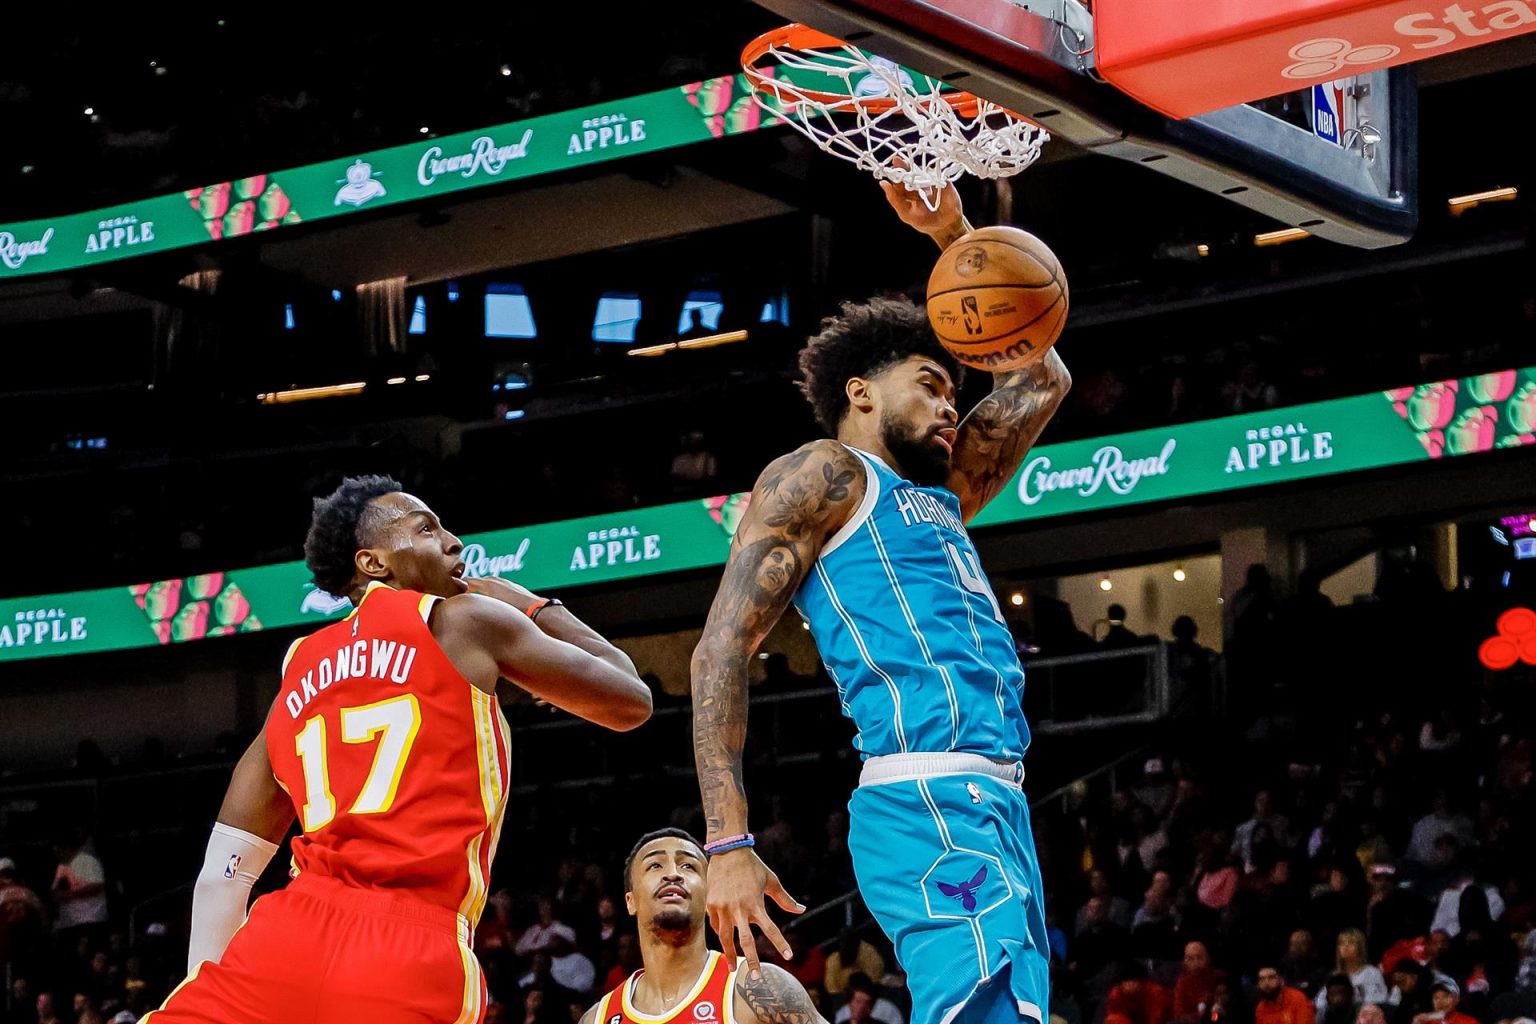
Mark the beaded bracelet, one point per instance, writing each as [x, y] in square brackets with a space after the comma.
[726, 843]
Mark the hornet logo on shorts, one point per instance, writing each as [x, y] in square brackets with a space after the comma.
[965, 892]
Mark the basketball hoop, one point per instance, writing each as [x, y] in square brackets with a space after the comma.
[900, 127]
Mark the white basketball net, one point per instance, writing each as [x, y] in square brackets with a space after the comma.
[921, 141]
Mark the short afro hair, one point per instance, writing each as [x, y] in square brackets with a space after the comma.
[863, 340]
[335, 534]
[651, 837]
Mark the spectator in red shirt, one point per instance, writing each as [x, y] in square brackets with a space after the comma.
[1192, 992]
[1137, 999]
[1279, 1003]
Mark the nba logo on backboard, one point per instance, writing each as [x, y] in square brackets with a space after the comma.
[1328, 111]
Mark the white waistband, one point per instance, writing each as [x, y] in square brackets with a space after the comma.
[907, 767]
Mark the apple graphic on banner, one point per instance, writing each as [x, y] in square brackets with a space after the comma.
[191, 623]
[215, 229]
[250, 625]
[274, 203]
[214, 201]
[1433, 405]
[162, 630]
[292, 217]
[240, 219]
[1433, 442]
[1473, 430]
[1522, 408]
[231, 608]
[1515, 440]
[204, 587]
[162, 599]
[1492, 387]
[250, 188]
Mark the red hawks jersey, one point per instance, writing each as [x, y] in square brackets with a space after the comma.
[711, 1000]
[396, 764]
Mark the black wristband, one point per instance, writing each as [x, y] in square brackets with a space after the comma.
[553, 602]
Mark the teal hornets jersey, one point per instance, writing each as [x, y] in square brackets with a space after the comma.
[909, 629]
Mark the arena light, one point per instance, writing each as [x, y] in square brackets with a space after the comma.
[1179, 575]
[1105, 585]
[1016, 599]
[1281, 237]
[309, 394]
[423, 377]
[708, 341]
[395, 380]
[1460, 204]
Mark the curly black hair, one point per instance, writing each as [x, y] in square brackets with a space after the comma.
[649, 837]
[864, 339]
[335, 530]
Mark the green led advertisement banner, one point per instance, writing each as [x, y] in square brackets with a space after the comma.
[713, 108]
[1437, 420]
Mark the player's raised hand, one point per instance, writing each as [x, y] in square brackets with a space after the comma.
[738, 880]
[506, 591]
[909, 206]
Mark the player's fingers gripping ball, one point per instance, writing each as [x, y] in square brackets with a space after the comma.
[997, 299]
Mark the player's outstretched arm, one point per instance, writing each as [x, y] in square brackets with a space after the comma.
[488, 638]
[995, 436]
[556, 620]
[773, 997]
[252, 820]
[799, 501]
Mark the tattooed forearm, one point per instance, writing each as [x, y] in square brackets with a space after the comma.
[775, 998]
[997, 434]
[799, 500]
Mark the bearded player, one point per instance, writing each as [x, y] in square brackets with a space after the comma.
[387, 742]
[665, 887]
[865, 534]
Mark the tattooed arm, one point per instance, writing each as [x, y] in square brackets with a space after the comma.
[774, 997]
[799, 501]
[996, 435]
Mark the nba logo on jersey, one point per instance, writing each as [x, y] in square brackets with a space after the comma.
[232, 866]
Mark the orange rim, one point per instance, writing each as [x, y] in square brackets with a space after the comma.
[802, 37]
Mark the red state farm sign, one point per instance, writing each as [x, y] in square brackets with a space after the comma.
[1189, 59]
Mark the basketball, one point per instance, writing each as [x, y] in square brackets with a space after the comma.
[997, 299]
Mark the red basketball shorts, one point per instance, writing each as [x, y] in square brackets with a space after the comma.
[326, 952]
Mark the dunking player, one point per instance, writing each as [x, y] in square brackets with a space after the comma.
[387, 741]
[865, 534]
[665, 886]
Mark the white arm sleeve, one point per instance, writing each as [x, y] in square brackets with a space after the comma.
[235, 859]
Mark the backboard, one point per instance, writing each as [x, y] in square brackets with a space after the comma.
[1338, 159]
